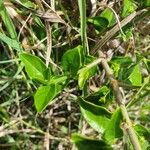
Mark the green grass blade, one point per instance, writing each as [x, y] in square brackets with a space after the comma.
[7, 21]
[82, 9]
[13, 43]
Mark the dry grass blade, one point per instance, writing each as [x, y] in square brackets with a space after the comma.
[50, 16]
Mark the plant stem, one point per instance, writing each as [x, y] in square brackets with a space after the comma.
[48, 32]
[82, 9]
[49, 42]
[120, 100]
[129, 129]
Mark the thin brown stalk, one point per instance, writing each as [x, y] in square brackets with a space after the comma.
[49, 43]
[48, 32]
[120, 101]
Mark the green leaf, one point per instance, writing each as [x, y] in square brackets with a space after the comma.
[146, 3]
[7, 21]
[35, 67]
[140, 96]
[143, 135]
[104, 20]
[128, 32]
[122, 60]
[99, 23]
[126, 71]
[39, 22]
[10, 42]
[113, 129]
[86, 143]
[72, 60]
[87, 72]
[118, 64]
[45, 95]
[101, 97]
[135, 77]
[105, 94]
[84, 75]
[147, 64]
[38, 26]
[142, 131]
[58, 79]
[109, 15]
[128, 7]
[4, 115]
[96, 116]
[28, 4]
[13, 41]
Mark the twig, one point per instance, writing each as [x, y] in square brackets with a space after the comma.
[117, 19]
[94, 63]
[24, 24]
[93, 11]
[120, 100]
[49, 43]
[53, 4]
[48, 32]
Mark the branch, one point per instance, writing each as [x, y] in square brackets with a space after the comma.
[120, 100]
